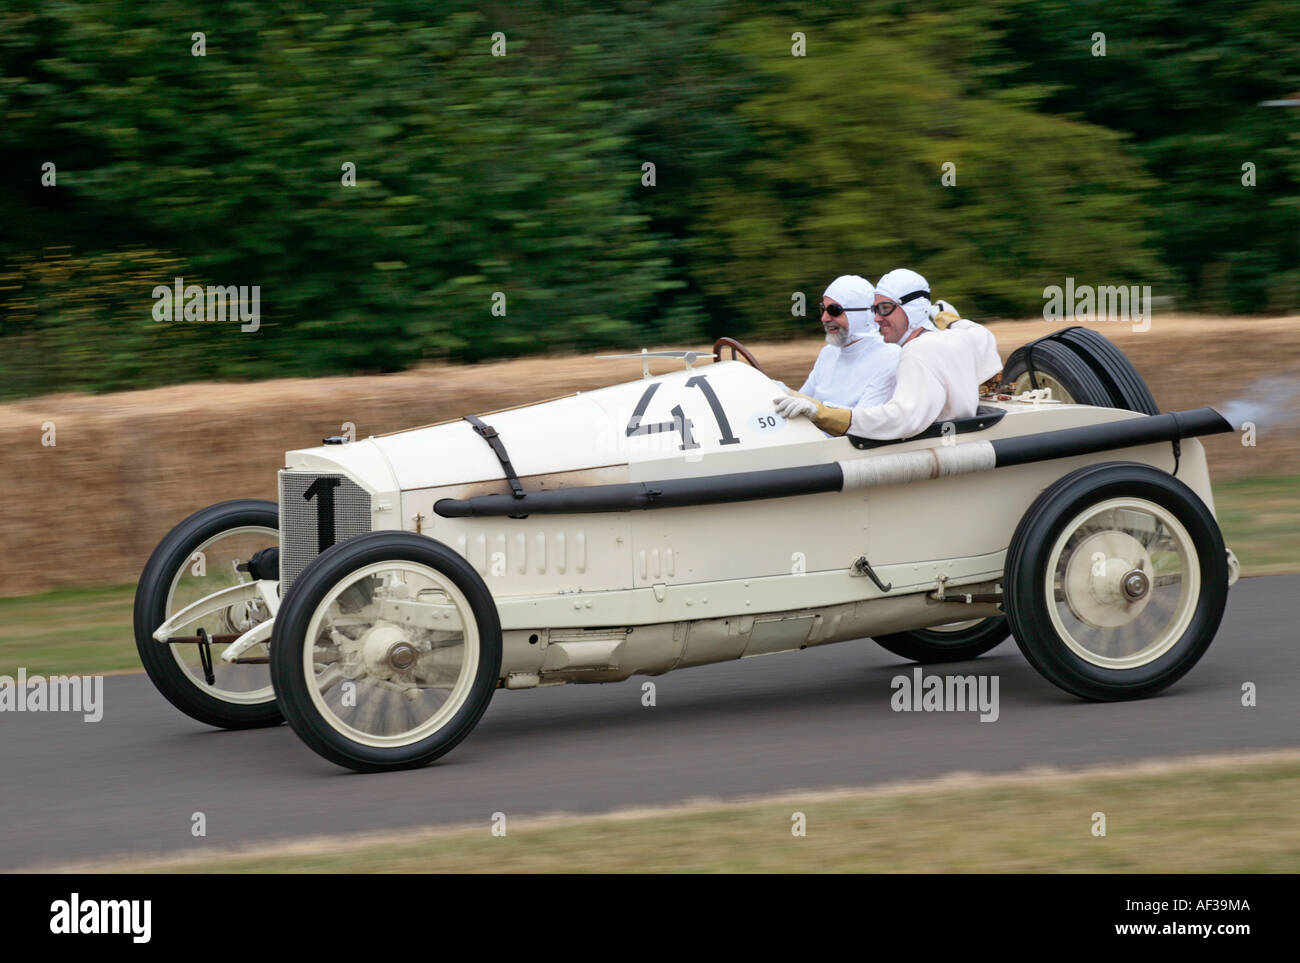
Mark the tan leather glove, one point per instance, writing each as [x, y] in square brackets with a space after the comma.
[945, 318]
[833, 421]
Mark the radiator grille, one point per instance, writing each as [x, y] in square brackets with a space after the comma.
[308, 499]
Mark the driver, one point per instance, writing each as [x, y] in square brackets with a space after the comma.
[939, 372]
[856, 367]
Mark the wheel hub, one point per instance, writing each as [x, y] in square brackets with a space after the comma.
[401, 656]
[242, 616]
[1135, 585]
[387, 652]
[1107, 581]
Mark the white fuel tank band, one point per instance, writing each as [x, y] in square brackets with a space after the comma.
[873, 471]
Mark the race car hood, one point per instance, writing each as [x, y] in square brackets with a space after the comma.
[692, 412]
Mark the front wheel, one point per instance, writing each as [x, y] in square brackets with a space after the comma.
[198, 558]
[386, 651]
[1116, 581]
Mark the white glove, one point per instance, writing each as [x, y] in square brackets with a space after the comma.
[791, 406]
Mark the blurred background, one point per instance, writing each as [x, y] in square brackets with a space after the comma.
[381, 172]
[523, 173]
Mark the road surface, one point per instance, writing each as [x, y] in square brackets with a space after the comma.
[821, 718]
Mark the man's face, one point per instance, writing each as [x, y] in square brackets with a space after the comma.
[894, 324]
[837, 329]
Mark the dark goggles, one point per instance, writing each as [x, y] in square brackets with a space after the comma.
[834, 310]
[885, 308]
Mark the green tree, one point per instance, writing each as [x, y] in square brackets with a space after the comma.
[1183, 79]
[848, 178]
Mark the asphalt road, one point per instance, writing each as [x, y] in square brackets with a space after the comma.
[814, 719]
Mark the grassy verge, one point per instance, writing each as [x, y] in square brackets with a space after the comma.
[1260, 518]
[1217, 816]
[89, 630]
[68, 631]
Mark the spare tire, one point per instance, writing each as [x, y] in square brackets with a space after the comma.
[1056, 366]
[1126, 386]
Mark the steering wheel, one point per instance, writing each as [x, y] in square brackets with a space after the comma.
[736, 348]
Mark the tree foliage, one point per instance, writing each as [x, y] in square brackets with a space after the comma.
[523, 174]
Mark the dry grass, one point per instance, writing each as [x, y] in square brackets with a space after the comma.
[1210, 815]
[128, 466]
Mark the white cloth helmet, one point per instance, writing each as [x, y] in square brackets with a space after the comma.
[912, 293]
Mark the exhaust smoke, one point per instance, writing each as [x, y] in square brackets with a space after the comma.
[1269, 402]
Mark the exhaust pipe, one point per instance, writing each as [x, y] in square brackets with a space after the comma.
[872, 471]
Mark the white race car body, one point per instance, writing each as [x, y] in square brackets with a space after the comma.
[598, 595]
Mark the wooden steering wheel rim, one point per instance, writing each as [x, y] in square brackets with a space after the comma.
[736, 349]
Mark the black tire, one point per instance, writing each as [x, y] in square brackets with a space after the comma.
[1127, 389]
[178, 686]
[930, 646]
[309, 590]
[1030, 553]
[1060, 363]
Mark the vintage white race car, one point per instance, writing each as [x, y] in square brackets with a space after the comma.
[675, 521]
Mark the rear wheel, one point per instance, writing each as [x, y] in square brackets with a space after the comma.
[1116, 581]
[386, 651]
[954, 642]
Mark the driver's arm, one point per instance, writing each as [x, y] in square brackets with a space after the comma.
[919, 396]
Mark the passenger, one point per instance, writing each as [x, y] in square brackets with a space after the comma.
[939, 372]
[856, 367]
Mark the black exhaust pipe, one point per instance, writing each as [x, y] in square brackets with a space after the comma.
[868, 472]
